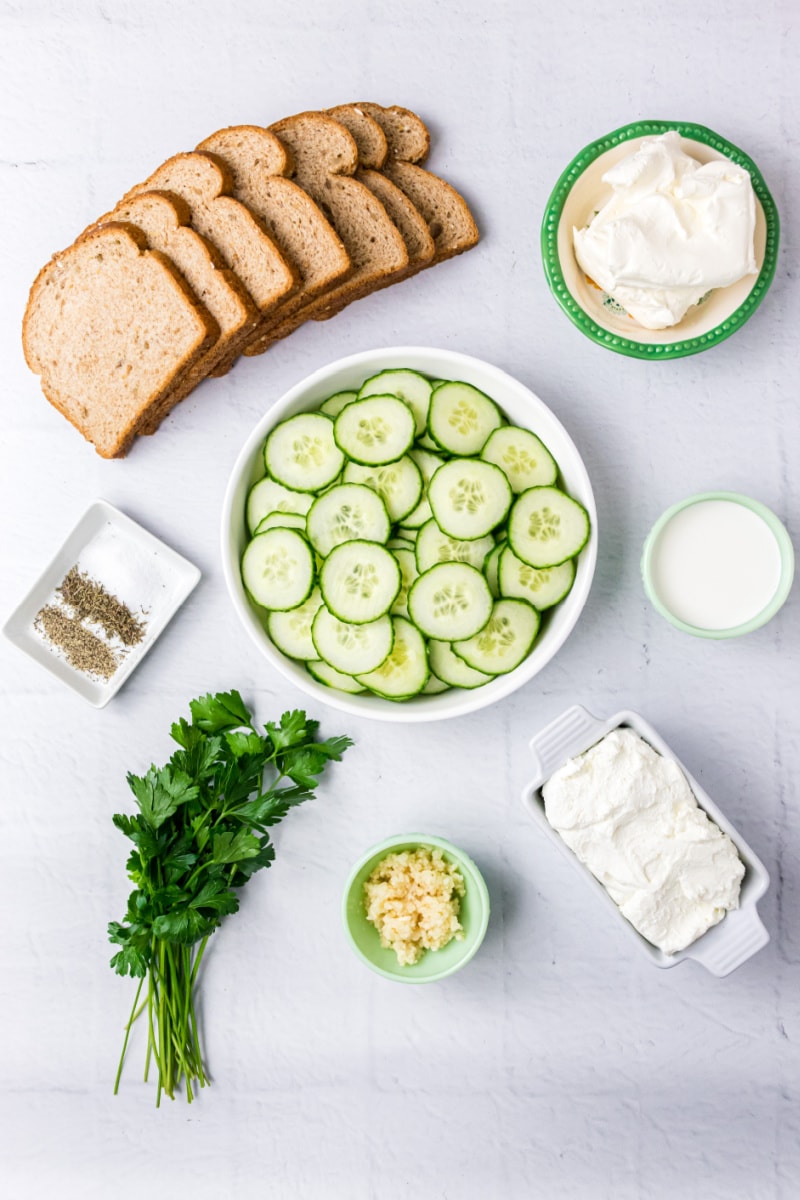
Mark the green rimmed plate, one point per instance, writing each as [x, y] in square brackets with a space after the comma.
[580, 191]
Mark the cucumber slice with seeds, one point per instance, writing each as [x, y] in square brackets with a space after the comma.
[469, 498]
[546, 527]
[399, 484]
[301, 452]
[453, 670]
[408, 573]
[291, 631]
[377, 430]
[448, 600]
[408, 386]
[521, 456]
[433, 547]
[335, 403]
[540, 586]
[405, 671]
[278, 569]
[267, 496]
[461, 418]
[360, 582]
[281, 520]
[504, 642]
[346, 513]
[352, 649]
[324, 673]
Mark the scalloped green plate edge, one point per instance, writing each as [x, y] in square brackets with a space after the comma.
[552, 266]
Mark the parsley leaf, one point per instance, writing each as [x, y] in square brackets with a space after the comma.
[225, 710]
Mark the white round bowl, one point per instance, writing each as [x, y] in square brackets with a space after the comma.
[523, 408]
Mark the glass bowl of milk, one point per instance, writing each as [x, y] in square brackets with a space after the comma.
[718, 565]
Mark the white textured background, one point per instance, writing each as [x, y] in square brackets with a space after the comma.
[558, 1066]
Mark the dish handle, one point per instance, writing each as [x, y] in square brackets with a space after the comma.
[732, 942]
[568, 735]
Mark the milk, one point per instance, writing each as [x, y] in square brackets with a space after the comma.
[715, 564]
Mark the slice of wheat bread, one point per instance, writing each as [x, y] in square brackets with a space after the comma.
[449, 219]
[205, 186]
[112, 328]
[259, 165]
[372, 152]
[164, 219]
[325, 161]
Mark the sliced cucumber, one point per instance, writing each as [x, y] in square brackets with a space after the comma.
[505, 640]
[291, 631]
[324, 673]
[400, 543]
[449, 599]
[461, 418]
[281, 520]
[345, 513]
[377, 430]
[399, 484]
[405, 672]
[491, 569]
[433, 547]
[408, 573]
[360, 582]
[278, 569]
[434, 686]
[546, 527]
[408, 386]
[267, 496]
[352, 649]
[335, 403]
[426, 442]
[451, 669]
[301, 452]
[540, 586]
[469, 498]
[525, 461]
[408, 535]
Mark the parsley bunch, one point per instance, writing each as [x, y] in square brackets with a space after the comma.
[201, 832]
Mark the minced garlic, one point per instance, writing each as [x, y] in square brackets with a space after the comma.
[413, 899]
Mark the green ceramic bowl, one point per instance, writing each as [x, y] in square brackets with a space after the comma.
[784, 583]
[572, 203]
[434, 964]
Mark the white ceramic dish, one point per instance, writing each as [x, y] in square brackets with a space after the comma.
[176, 577]
[523, 408]
[740, 933]
[581, 191]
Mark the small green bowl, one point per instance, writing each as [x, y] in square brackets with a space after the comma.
[434, 964]
[784, 583]
[574, 198]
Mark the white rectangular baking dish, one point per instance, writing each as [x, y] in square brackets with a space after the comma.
[740, 933]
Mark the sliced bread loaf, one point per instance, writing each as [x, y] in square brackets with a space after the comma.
[164, 219]
[112, 328]
[449, 219]
[325, 162]
[259, 164]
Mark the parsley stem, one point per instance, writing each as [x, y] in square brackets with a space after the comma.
[131, 1019]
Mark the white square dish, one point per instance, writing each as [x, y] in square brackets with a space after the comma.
[741, 932]
[172, 577]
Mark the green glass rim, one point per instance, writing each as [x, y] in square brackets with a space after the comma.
[474, 881]
[682, 346]
[778, 530]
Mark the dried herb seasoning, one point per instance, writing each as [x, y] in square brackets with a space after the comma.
[91, 601]
[83, 650]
